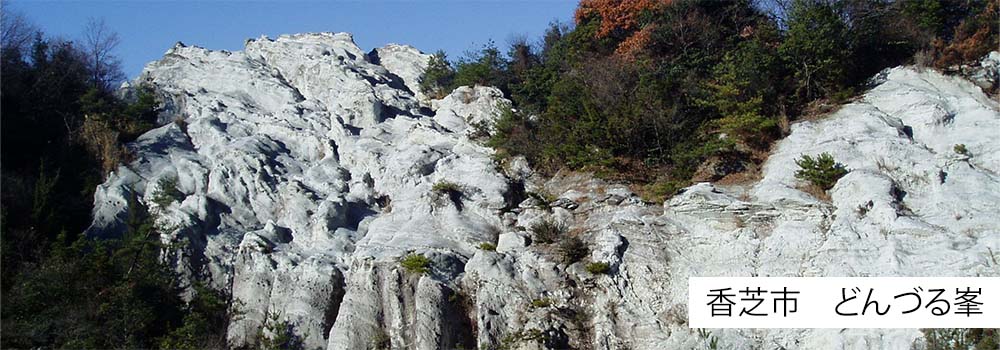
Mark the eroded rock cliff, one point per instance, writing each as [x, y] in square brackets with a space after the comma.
[308, 169]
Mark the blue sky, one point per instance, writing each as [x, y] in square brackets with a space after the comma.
[149, 28]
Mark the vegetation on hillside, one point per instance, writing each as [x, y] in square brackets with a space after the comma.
[659, 93]
[64, 130]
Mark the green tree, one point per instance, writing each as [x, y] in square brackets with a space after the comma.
[484, 67]
[205, 323]
[438, 78]
[741, 83]
[816, 49]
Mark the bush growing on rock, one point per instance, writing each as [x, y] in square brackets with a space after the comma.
[822, 171]
[543, 198]
[573, 249]
[546, 231]
[447, 188]
[416, 263]
[541, 303]
[512, 132]
[530, 336]
[167, 192]
[101, 139]
[961, 149]
[278, 334]
[598, 268]
[490, 247]
[381, 340]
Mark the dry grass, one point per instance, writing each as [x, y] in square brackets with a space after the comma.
[816, 191]
[547, 231]
[102, 141]
[746, 177]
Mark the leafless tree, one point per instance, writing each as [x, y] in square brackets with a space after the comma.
[100, 42]
[17, 31]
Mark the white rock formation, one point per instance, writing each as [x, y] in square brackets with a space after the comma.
[308, 169]
[405, 61]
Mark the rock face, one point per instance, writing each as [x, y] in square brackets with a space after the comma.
[309, 170]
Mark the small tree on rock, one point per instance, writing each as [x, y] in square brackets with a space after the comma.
[822, 171]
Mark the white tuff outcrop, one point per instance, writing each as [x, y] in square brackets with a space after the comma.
[308, 170]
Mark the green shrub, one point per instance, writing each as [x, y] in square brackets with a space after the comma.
[960, 149]
[541, 303]
[543, 198]
[822, 171]
[446, 187]
[660, 191]
[573, 249]
[278, 335]
[928, 15]
[490, 247]
[515, 339]
[598, 268]
[140, 116]
[480, 131]
[381, 340]
[204, 325]
[750, 128]
[546, 231]
[167, 192]
[449, 190]
[416, 263]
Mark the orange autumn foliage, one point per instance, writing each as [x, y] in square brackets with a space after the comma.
[616, 14]
[634, 44]
[974, 38]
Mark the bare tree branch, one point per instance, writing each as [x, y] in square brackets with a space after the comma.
[17, 32]
[100, 42]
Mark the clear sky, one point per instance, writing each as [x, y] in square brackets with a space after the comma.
[149, 28]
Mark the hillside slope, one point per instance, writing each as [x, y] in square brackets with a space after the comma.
[309, 169]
